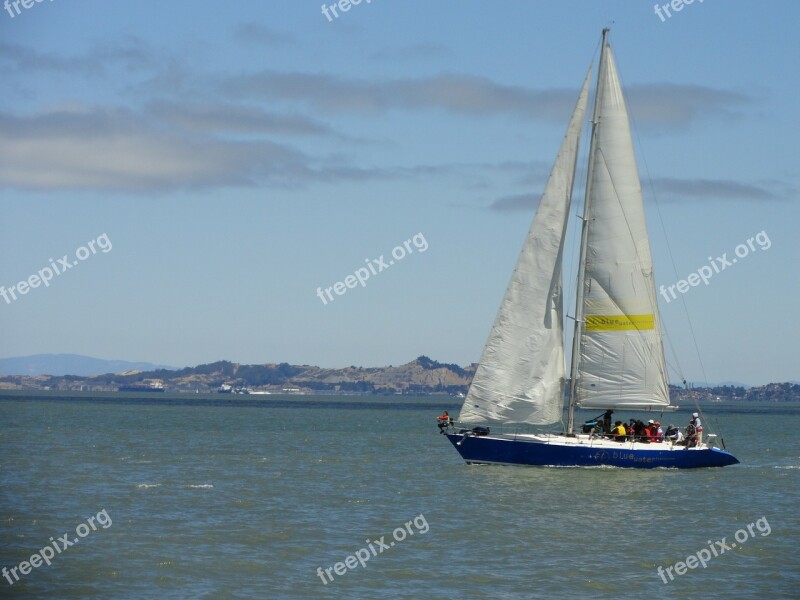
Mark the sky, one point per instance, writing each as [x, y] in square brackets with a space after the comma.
[209, 170]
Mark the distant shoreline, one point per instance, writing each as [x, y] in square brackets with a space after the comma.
[432, 402]
[184, 397]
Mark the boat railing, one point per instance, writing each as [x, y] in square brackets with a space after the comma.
[602, 440]
[547, 437]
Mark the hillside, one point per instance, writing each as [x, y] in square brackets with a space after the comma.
[419, 377]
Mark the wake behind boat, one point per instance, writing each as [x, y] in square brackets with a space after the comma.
[617, 352]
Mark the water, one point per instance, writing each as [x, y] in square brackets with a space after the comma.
[247, 499]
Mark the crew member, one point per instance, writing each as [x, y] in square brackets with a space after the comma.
[443, 421]
[607, 421]
[698, 427]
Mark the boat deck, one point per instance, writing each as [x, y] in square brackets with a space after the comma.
[591, 441]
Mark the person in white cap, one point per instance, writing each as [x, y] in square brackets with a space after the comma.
[698, 428]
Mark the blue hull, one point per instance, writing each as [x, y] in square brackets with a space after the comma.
[513, 451]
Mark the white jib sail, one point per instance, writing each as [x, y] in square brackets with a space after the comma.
[520, 377]
[621, 350]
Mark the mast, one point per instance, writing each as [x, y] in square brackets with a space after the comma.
[573, 372]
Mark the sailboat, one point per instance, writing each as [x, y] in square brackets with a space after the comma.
[617, 349]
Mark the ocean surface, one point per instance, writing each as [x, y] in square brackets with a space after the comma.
[251, 498]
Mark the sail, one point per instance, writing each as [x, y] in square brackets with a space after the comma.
[520, 376]
[621, 354]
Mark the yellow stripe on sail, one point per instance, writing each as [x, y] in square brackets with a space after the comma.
[619, 322]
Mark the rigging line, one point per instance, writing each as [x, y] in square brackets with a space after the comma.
[680, 370]
[677, 366]
[671, 366]
[671, 259]
[674, 271]
[664, 333]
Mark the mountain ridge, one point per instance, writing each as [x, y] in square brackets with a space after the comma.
[422, 376]
[70, 364]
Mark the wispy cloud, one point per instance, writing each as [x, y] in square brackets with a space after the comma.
[673, 105]
[516, 203]
[24, 59]
[657, 105]
[119, 149]
[231, 118]
[462, 94]
[254, 33]
[664, 106]
[168, 145]
[179, 127]
[129, 53]
[669, 189]
[672, 189]
[421, 51]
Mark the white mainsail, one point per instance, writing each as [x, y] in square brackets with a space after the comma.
[621, 355]
[520, 377]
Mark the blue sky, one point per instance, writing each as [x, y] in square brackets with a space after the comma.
[239, 156]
